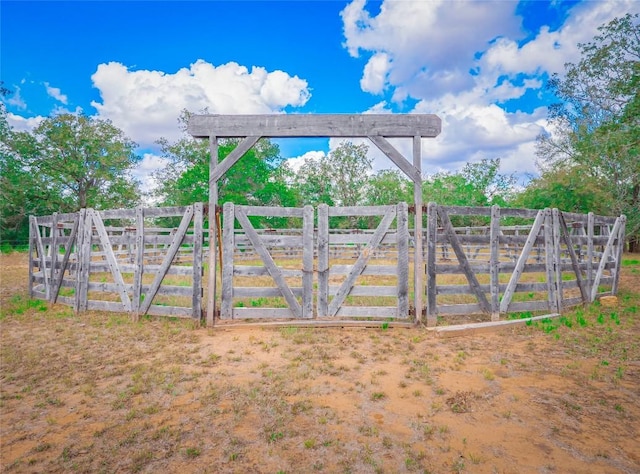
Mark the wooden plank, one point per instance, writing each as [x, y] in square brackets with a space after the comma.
[53, 250]
[138, 269]
[362, 261]
[260, 313]
[360, 211]
[228, 244]
[494, 263]
[213, 245]
[550, 261]
[273, 269]
[314, 125]
[375, 270]
[418, 255]
[271, 240]
[465, 210]
[394, 155]
[474, 328]
[32, 238]
[272, 211]
[470, 308]
[522, 261]
[166, 262]
[233, 157]
[464, 263]
[170, 311]
[557, 258]
[307, 262]
[367, 312]
[402, 235]
[323, 260]
[572, 255]
[253, 271]
[198, 236]
[262, 292]
[432, 238]
[357, 290]
[111, 260]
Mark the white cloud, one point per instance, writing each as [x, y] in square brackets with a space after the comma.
[145, 169]
[56, 93]
[146, 104]
[22, 124]
[427, 50]
[297, 162]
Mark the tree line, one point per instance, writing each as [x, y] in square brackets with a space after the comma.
[589, 162]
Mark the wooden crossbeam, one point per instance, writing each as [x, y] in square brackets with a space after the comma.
[315, 125]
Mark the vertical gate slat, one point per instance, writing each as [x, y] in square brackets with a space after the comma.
[550, 261]
[402, 242]
[432, 238]
[494, 263]
[31, 239]
[196, 300]
[53, 249]
[558, 259]
[323, 260]
[138, 271]
[307, 262]
[228, 244]
[84, 259]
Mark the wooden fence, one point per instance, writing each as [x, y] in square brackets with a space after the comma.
[120, 260]
[483, 261]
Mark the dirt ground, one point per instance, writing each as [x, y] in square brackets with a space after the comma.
[99, 393]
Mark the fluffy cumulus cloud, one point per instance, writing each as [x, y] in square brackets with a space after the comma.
[463, 61]
[22, 124]
[146, 104]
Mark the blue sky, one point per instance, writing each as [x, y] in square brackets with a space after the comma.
[481, 66]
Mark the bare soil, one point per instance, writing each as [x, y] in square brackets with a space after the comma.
[99, 393]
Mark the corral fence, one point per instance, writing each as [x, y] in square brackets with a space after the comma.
[479, 261]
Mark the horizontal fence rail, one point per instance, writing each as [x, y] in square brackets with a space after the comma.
[488, 261]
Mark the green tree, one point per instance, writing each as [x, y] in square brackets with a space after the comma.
[340, 179]
[596, 125]
[388, 187]
[66, 163]
[87, 160]
[477, 184]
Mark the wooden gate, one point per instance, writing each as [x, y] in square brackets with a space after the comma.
[383, 254]
[111, 261]
[266, 289]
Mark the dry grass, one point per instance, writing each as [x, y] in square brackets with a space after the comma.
[100, 393]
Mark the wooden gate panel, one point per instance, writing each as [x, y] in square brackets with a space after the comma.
[336, 307]
[299, 300]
